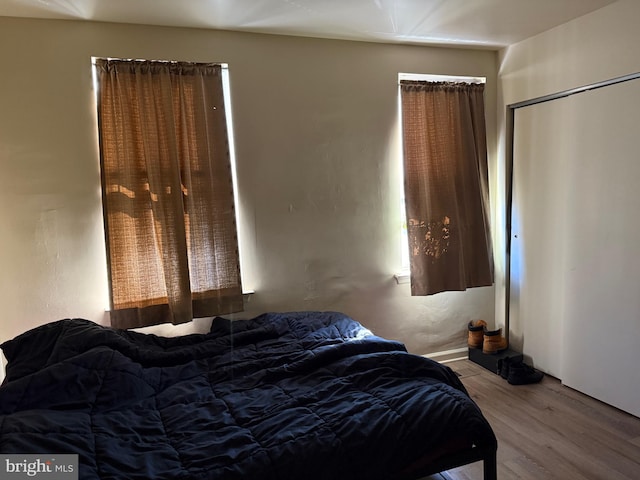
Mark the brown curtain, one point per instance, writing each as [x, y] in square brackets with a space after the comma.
[446, 186]
[167, 192]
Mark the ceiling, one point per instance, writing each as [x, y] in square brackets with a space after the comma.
[478, 23]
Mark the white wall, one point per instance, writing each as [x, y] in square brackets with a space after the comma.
[587, 331]
[316, 139]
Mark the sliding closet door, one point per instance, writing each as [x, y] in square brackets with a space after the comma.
[576, 216]
[538, 237]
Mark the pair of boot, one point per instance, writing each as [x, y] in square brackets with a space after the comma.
[516, 372]
[491, 341]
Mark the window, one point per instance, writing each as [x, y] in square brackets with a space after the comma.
[445, 182]
[168, 191]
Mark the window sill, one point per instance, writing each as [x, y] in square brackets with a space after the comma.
[246, 295]
[402, 277]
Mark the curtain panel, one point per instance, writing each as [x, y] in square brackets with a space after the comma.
[168, 200]
[446, 186]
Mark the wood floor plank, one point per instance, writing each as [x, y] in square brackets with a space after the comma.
[547, 431]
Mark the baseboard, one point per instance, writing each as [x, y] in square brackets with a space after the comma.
[449, 355]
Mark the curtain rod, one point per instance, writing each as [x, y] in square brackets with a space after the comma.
[94, 59]
[428, 77]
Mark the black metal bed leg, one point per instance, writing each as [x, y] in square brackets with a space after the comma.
[490, 464]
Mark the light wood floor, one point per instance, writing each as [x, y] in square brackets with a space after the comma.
[547, 431]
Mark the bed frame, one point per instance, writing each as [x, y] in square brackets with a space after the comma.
[459, 459]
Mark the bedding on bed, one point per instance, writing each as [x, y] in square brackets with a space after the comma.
[303, 395]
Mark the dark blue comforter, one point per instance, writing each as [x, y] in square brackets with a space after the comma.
[283, 396]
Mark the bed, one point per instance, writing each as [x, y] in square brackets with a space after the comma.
[297, 395]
